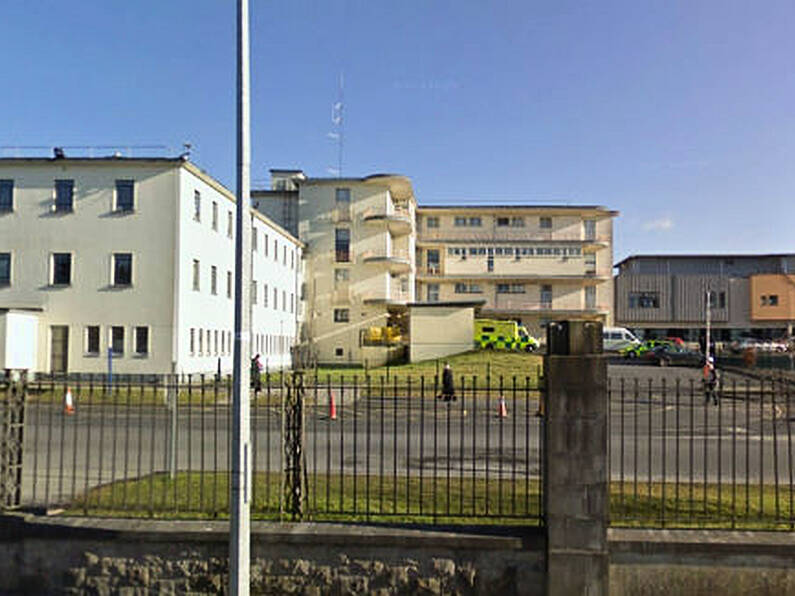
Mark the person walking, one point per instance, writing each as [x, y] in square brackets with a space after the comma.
[448, 387]
[256, 375]
[711, 381]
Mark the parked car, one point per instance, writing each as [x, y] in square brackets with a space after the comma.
[635, 350]
[616, 338]
[673, 355]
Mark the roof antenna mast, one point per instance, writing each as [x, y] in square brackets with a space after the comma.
[338, 126]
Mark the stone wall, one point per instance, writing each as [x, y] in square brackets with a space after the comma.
[80, 556]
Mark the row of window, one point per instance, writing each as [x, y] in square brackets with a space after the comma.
[61, 269]
[255, 242]
[651, 299]
[64, 196]
[255, 290]
[214, 342]
[116, 340]
[475, 221]
[432, 291]
[518, 251]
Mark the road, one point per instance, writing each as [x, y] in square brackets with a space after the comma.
[654, 434]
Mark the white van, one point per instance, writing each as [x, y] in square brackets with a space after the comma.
[616, 338]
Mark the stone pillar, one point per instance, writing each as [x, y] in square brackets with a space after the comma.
[575, 460]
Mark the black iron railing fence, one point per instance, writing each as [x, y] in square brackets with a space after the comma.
[373, 448]
[682, 458]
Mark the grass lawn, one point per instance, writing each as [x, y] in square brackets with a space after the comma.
[459, 501]
[480, 364]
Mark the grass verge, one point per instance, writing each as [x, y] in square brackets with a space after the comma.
[467, 501]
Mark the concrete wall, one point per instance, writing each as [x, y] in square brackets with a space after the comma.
[438, 331]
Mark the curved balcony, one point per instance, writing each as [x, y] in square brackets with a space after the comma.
[395, 262]
[398, 223]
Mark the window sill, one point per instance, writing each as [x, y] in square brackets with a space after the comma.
[122, 212]
[141, 356]
[117, 355]
[121, 286]
[57, 286]
[91, 355]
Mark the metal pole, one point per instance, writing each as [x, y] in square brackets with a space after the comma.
[240, 490]
[706, 347]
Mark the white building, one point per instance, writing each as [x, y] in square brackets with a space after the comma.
[135, 257]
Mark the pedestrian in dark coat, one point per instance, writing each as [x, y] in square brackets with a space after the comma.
[448, 388]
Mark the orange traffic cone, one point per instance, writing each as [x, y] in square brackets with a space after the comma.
[502, 409]
[332, 414]
[69, 406]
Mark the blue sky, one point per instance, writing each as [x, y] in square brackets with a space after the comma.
[681, 115]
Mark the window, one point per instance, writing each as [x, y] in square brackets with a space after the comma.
[431, 222]
[510, 289]
[644, 300]
[342, 197]
[253, 292]
[275, 249]
[474, 222]
[197, 205]
[61, 269]
[342, 245]
[117, 341]
[432, 260]
[517, 222]
[589, 229]
[341, 315]
[284, 301]
[265, 243]
[122, 269]
[228, 284]
[341, 276]
[292, 259]
[192, 340]
[292, 302]
[275, 299]
[771, 300]
[460, 222]
[265, 295]
[464, 288]
[490, 264]
[546, 296]
[717, 299]
[215, 342]
[545, 223]
[284, 256]
[201, 341]
[141, 341]
[196, 285]
[214, 280]
[92, 340]
[215, 216]
[503, 222]
[6, 195]
[5, 268]
[339, 352]
[253, 238]
[230, 224]
[433, 293]
[64, 195]
[125, 201]
[590, 297]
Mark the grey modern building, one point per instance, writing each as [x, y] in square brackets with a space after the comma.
[666, 295]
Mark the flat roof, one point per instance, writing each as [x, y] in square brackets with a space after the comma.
[709, 256]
